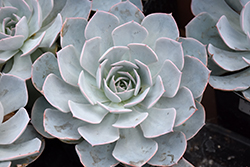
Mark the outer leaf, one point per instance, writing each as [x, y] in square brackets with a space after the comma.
[183, 163]
[46, 6]
[138, 149]
[11, 43]
[103, 5]
[5, 164]
[6, 55]
[171, 148]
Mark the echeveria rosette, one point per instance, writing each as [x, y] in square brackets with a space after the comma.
[224, 27]
[19, 142]
[123, 84]
[106, 5]
[27, 26]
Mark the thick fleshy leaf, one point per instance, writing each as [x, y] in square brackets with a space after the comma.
[5, 164]
[58, 93]
[1, 113]
[11, 43]
[46, 6]
[99, 23]
[228, 60]
[193, 47]
[154, 94]
[191, 127]
[69, 35]
[93, 114]
[159, 122]
[87, 86]
[171, 148]
[142, 53]
[14, 127]
[114, 54]
[137, 99]
[171, 77]
[22, 28]
[114, 107]
[69, 65]
[21, 150]
[61, 125]
[97, 155]
[22, 66]
[243, 2]
[6, 55]
[13, 93]
[52, 32]
[139, 150]
[100, 74]
[246, 94]
[102, 133]
[130, 119]
[130, 32]
[37, 115]
[183, 163]
[42, 67]
[110, 94]
[103, 5]
[23, 8]
[205, 30]
[244, 18]
[233, 38]
[194, 67]
[90, 55]
[137, 3]
[144, 73]
[36, 19]
[126, 11]
[238, 81]
[183, 110]
[32, 44]
[72, 9]
[159, 25]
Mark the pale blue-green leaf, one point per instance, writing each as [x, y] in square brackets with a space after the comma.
[23, 8]
[216, 9]
[93, 114]
[31, 44]
[110, 94]
[37, 115]
[127, 75]
[235, 5]
[46, 6]
[183, 110]
[137, 3]
[195, 48]
[87, 84]
[171, 77]
[90, 55]
[244, 2]
[192, 126]
[42, 67]
[35, 22]
[154, 94]
[246, 94]
[138, 83]
[144, 73]
[76, 8]
[5, 164]
[183, 163]
[11, 43]
[202, 27]
[13, 93]
[234, 82]
[6, 55]
[126, 65]
[130, 119]
[166, 48]
[21, 150]
[112, 73]
[103, 5]
[126, 11]
[159, 25]
[58, 93]
[228, 60]
[233, 38]
[244, 18]
[61, 125]
[100, 74]
[116, 108]
[14, 127]
[138, 149]
[1, 113]
[195, 75]
[172, 146]
[130, 32]
[103, 154]
[102, 133]
[142, 53]
[72, 33]
[125, 95]
[112, 85]
[21, 66]
[51, 32]
[101, 25]
[69, 65]
[137, 99]
[114, 54]
[159, 122]
[22, 28]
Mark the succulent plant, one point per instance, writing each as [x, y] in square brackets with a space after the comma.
[27, 25]
[106, 5]
[123, 87]
[224, 27]
[19, 142]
